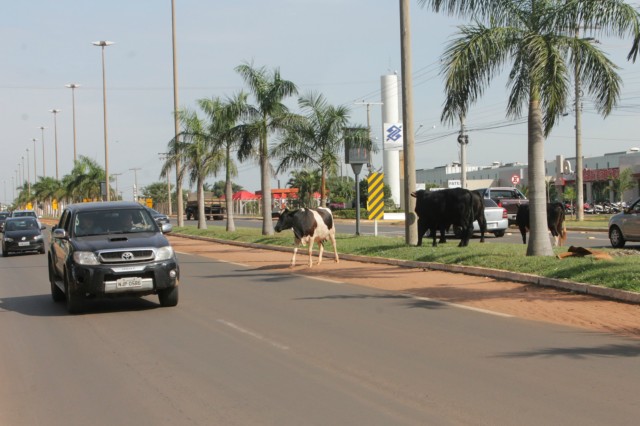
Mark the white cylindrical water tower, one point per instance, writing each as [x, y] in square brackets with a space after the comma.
[391, 152]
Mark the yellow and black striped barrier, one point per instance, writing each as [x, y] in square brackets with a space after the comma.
[375, 199]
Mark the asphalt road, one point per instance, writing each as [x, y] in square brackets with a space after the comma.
[259, 347]
[395, 229]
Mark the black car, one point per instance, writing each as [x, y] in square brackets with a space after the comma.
[3, 217]
[160, 218]
[104, 250]
[22, 234]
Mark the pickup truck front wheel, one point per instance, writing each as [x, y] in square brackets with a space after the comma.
[168, 297]
[56, 294]
[74, 304]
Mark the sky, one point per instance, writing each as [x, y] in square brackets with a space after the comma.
[337, 48]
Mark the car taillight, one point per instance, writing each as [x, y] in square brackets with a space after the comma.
[504, 213]
[499, 203]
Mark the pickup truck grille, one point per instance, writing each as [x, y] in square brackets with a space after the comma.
[127, 256]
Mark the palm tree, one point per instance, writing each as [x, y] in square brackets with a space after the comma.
[622, 183]
[538, 36]
[307, 182]
[315, 140]
[198, 155]
[223, 117]
[268, 115]
[84, 180]
[47, 188]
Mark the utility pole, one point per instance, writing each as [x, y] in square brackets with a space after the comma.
[368, 105]
[411, 226]
[463, 140]
[164, 156]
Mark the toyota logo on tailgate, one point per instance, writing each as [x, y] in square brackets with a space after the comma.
[127, 255]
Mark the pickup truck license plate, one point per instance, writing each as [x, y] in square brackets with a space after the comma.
[23, 243]
[129, 282]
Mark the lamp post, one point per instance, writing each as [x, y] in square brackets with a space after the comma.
[21, 165]
[35, 174]
[73, 87]
[28, 174]
[103, 44]
[116, 177]
[44, 161]
[13, 189]
[55, 135]
[135, 183]
[164, 156]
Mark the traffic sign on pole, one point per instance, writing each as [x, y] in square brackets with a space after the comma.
[515, 179]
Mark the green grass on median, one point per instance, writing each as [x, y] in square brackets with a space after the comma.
[623, 272]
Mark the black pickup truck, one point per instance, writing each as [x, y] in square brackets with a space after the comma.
[508, 197]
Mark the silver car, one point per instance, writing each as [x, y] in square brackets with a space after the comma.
[625, 226]
[495, 216]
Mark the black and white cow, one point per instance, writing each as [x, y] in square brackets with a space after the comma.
[309, 226]
[555, 222]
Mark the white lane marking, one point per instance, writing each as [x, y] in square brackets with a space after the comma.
[456, 305]
[235, 263]
[253, 334]
[319, 278]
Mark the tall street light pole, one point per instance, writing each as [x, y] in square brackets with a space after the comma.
[28, 176]
[103, 44]
[135, 183]
[164, 156]
[55, 135]
[176, 122]
[35, 173]
[44, 161]
[116, 177]
[73, 87]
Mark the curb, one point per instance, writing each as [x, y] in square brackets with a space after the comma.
[560, 284]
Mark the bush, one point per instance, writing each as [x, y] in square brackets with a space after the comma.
[349, 214]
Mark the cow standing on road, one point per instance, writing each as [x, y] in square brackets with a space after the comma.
[555, 222]
[309, 226]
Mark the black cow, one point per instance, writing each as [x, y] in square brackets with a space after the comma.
[555, 222]
[478, 213]
[441, 209]
[430, 209]
[309, 226]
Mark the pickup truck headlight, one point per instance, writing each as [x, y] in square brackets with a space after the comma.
[85, 258]
[164, 253]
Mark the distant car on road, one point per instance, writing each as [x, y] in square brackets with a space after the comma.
[625, 226]
[22, 234]
[160, 218]
[111, 249]
[3, 217]
[23, 213]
